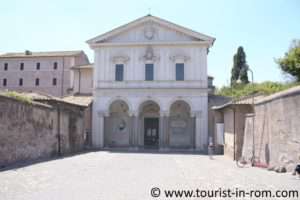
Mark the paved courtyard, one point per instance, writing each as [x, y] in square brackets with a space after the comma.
[107, 175]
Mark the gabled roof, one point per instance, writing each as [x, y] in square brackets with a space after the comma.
[158, 20]
[29, 54]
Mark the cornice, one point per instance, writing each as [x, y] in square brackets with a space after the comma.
[153, 43]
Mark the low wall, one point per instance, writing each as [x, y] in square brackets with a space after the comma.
[33, 130]
[276, 132]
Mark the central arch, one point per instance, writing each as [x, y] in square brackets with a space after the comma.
[149, 112]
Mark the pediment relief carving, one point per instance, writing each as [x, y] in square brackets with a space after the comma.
[120, 59]
[149, 55]
[149, 31]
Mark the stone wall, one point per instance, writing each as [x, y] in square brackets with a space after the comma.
[277, 125]
[234, 124]
[34, 130]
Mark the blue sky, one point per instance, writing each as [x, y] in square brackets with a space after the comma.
[264, 28]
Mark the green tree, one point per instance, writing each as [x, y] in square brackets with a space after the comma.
[290, 63]
[239, 69]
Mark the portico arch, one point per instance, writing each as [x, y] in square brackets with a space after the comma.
[122, 99]
[117, 125]
[181, 125]
[185, 101]
[149, 108]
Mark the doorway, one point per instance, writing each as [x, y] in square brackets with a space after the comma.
[151, 128]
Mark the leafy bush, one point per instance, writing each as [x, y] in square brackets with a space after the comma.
[290, 63]
[266, 88]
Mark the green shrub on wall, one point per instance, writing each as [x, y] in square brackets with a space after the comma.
[18, 96]
[266, 88]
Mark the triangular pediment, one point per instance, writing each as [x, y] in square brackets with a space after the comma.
[150, 28]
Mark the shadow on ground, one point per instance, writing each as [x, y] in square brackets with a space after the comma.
[22, 164]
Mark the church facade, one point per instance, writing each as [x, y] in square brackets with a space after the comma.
[150, 86]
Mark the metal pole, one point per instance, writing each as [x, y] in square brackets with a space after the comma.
[253, 119]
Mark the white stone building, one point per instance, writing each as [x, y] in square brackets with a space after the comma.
[150, 86]
[43, 72]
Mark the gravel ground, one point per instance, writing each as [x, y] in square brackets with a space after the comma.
[105, 175]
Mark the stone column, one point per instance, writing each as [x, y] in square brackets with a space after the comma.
[163, 119]
[198, 132]
[166, 130]
[98, 129]
[134, 130]
[161, 132]
[193, 128]
[131, 130]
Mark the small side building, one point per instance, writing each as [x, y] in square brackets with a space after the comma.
[232, 115]
[83, 79]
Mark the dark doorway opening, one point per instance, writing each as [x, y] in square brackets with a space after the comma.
[151, 127]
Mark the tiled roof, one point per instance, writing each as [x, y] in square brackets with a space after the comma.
[78, 100]
[89, 66]
[81, 100]
[40, 54]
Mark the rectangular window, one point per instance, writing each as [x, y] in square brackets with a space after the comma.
[22, 66]
[20, 82]
[55, 65]
[149, 72]
[179, 71]
[54, 81]
[119, 72]
[5, 66]
[37, 82]
[38, 65]
[4, 82]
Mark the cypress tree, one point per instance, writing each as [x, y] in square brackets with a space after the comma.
[239, 69]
